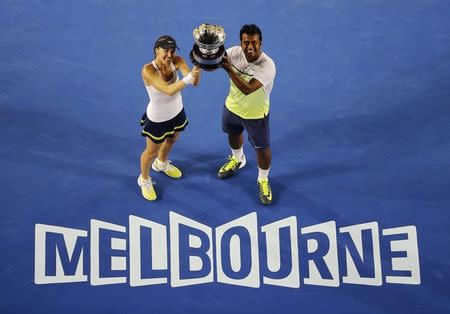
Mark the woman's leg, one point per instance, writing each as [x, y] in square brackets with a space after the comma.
[166, 147]
[147, 156]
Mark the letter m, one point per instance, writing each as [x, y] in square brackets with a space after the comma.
[59, 254]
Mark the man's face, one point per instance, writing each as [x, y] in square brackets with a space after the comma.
[251, 45]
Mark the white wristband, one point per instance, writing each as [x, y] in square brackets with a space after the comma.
[188, 79]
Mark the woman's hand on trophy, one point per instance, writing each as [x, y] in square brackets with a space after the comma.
[196, 74]
[195, 71]
[192, 77]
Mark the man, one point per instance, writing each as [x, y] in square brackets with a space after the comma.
[252, 73]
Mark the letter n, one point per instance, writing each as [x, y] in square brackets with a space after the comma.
[362, 254]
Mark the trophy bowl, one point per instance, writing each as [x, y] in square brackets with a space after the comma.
[208, 49]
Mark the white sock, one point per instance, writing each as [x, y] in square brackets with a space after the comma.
[263, 174]
[238, 153]
[144, 180]
[159, 163]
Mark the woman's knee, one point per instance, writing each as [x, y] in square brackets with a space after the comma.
[151, 151]
[172, 139]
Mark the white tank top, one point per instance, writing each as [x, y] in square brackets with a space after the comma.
[163, 107]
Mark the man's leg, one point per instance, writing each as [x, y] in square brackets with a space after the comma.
[237, 160]
[235, 141]
[232, 125]
[264, 158]
[259, 136]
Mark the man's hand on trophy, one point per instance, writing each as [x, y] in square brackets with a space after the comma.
[226, 65]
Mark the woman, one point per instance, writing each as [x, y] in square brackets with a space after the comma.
[165, 117]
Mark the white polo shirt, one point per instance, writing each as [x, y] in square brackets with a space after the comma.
[255, 105]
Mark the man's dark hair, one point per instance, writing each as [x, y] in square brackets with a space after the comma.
[250, 29]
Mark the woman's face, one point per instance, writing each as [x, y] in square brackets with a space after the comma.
[165, 55]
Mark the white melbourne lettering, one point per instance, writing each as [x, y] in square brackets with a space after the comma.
[239, 253]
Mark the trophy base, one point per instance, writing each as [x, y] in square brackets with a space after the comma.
[205, 61]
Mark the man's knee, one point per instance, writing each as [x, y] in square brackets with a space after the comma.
[234, 136]
[235, 140]
[265, 151]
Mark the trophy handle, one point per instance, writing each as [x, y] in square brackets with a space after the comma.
[224, 55]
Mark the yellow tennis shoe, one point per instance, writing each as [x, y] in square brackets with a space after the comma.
[231, 167]
[265, 192]
[166, 167]
[148, 192]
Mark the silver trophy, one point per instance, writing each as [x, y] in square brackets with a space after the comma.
[208, 49]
